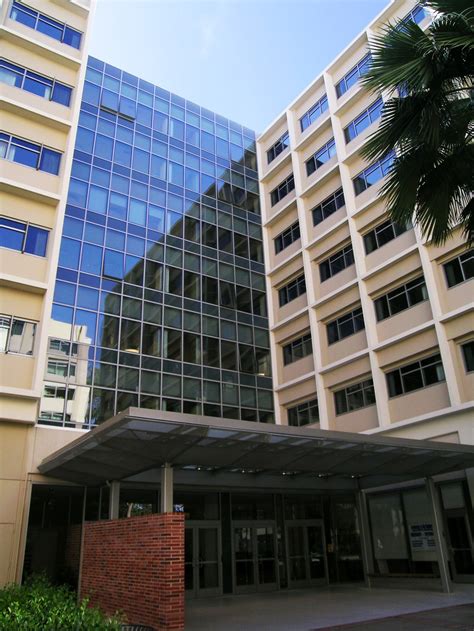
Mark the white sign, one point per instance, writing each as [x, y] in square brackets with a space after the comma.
[422, 537]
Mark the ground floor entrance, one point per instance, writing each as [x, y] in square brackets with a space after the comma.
[306, 551]
[242, 542]
[255, 559]
[202, 559]
[249, 542]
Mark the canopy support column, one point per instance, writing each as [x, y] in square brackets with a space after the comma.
[114, 499]
[441, 548]
[366, 544]
[166, 504]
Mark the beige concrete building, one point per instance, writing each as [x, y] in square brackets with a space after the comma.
[43, 62]
[371, 332]
[371, 327]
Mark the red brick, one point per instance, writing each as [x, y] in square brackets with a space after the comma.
[136, 566]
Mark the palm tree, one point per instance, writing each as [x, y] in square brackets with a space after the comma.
[429, 77]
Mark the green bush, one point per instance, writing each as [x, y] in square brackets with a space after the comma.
[40, 606]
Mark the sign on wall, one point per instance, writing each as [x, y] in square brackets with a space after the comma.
[422, 537]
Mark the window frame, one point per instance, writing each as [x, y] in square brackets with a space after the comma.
[356, 70]
[308, 117]
[282, 190]
[396, 229]
[329, 149]
[460, 260]
[15, 141]
[11, 321]
[301, 408]
[25, 73]
[364, 387]
[383, 166]
[278, 147]
[345, 254]
[322, 206]
[376, 106]
[419, 281]
[298, 283]
[291, 349]
[38, 16]
[351, 316]
[412, 16]
[397, 377]
[27, 225]
[470, 346]
[292, 233]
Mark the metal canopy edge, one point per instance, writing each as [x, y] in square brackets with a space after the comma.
[139, 440]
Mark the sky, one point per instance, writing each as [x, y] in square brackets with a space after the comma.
[244, 59]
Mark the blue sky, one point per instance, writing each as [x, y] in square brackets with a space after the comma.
[216, 52]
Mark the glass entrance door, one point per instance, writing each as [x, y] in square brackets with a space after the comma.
[202, 559]
[306, 553]
[254, 552]
[460, 545]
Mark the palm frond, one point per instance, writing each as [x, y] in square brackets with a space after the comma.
[445, 7]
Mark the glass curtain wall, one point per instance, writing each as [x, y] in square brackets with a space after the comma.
[160, 293]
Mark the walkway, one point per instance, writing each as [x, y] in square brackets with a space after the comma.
[352, 605]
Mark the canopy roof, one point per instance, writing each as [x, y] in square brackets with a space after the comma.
[139, 440]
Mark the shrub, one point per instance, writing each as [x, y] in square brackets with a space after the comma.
[39, 606]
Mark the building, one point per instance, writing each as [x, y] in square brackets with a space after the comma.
[364, 314]
[160, 287]
[144, 312]
[42, 71]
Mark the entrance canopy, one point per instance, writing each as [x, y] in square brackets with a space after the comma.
[140, 440]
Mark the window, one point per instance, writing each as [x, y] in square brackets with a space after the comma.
[416, 375]
[382, 234]
[304, 413]
[328, 206]
[345, 325]
[468, 354]
[321, 156]
[366, 118]
[370, 176]
[295, 288]
[351, 77]
[416, 15]
[61, 368]
[297, 349]
[16, 335]
[62, 347]
[287, 237]
[336, 263]
[359, 395]
[281, 144]
[38, 84]
[460, 269]
[44, 24]
[282, 190]
[58, 392]
[29, 154]
[23, 237]
[314, 112]
[125, 108]
[402, 298]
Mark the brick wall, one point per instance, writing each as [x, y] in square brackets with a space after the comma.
[136, 565]
[72, 550]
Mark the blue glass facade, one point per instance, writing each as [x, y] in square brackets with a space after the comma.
[160, 293]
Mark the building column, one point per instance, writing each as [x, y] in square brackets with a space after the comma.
[438, 532]
[114, 499]
[166, 503]
[366, 543]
